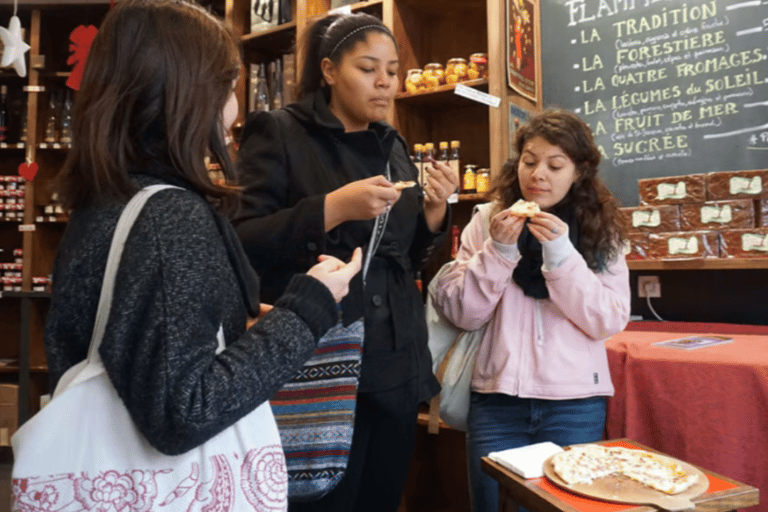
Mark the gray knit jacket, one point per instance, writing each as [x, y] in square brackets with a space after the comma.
[175, 286]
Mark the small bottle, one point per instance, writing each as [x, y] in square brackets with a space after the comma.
[418, 160]
[23, 131]
[429, 155]
[65, 122]
[468, 180]
[276, 74]
[51, 136]
[262, 92]
[3, 114]
[453, 162]
[482, 181]
[417, 278]
[455, 233]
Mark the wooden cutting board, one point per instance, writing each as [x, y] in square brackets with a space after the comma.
[622, 489]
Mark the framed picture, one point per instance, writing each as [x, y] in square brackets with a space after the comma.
[265, 14]
[521, 54]
[517, 116]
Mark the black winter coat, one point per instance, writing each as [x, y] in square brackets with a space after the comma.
[289, 160]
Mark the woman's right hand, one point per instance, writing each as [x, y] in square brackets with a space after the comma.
[505, 228]
[359, 200]
[335, 274]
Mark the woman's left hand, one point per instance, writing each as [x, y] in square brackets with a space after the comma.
[441, 183]
[546, 227]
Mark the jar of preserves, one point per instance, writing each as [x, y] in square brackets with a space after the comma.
[456, 70]
[482, 181]
[433, 75]
[414, 81]
[478, 66]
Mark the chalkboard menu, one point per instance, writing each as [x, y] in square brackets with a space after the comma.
[668, 87]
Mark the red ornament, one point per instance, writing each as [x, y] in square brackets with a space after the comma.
[28, 171]
[82, 38]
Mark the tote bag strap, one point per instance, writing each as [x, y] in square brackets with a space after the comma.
[124, 225]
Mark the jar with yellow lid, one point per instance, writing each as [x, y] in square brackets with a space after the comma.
[433, 75]
[482, 181]
[414, 81]
[478, 65]
[468, 179]
[456, 70]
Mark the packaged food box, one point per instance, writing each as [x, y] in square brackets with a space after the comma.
[636, 247]
[737, 214]
[762, 213]
[744, 243]
[673, 190]
[652, 218]
[689, 245]
[737, 184]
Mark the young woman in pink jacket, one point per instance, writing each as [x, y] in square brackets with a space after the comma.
[551, 287]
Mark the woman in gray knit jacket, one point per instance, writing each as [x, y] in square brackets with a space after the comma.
[157, 95]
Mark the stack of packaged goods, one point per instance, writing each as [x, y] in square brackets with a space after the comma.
[716, 215]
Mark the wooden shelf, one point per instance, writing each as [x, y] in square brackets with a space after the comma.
[15, 369]
[704, 264]
[22, 295]
[278, 38]
[20, 145]
[472, 197]
[441, 96]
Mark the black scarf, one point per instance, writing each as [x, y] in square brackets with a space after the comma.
[527, 274]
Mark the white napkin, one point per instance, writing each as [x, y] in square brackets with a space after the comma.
[526, 461]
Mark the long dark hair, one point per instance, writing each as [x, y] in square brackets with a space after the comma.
[156, 81]
[601, 227]
[332, 37]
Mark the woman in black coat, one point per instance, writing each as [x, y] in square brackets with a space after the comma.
[316, 178]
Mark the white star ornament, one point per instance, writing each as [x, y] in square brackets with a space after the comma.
[15, 47]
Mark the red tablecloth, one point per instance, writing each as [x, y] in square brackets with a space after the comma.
[707, 406]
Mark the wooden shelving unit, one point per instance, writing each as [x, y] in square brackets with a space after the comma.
[702, 264]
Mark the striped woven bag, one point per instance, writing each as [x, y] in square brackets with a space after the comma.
[315, 410]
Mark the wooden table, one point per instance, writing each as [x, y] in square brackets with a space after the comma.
[708, 407]
[538, 494]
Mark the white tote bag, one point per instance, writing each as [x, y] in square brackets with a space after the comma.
[454, 352]
[83, 451]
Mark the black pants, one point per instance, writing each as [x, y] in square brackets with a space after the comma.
[382, 445]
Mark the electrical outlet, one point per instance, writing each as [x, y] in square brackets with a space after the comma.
[648, 286]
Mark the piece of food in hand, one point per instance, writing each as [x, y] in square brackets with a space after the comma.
[400, 185]
[523, 208]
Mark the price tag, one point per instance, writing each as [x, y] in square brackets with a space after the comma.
[479, 96]
[34, 88]
[26, 227]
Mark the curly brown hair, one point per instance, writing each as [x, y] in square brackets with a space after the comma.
[602, 228]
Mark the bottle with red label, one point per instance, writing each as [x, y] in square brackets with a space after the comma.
[455, 233]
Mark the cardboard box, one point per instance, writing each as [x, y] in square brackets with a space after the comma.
[737, 214]
[684, 245]
[744, 243]
[652, 218]
[9, 407]
[673, 189]
[737, 184]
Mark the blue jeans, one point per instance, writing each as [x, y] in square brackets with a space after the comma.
[497, 422]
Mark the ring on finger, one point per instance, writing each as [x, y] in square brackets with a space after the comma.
[554, 230]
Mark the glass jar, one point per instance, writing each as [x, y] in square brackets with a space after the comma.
[456, 70]
[482, 181]
[478, 65]
[414, 81]
[433, 75]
